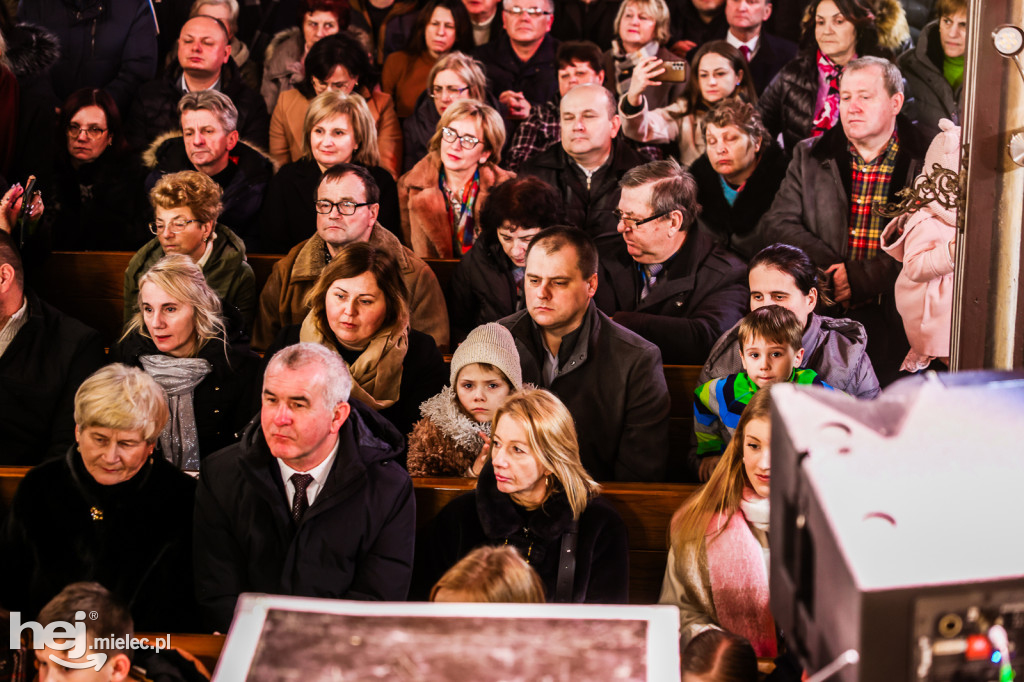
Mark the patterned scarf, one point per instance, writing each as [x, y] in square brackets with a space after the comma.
[179, 378]
[460, 212]
[829, 114]
[869, 186]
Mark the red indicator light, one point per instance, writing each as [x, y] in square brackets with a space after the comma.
[978, 648]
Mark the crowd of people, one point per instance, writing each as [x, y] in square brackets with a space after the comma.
[624, 185]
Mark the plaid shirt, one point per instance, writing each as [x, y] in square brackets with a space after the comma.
[869, 185]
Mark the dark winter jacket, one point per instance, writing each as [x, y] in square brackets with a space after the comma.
[417, 130]
[787, 104]
[39, 374]
[835, 348]
[249, 169]
[155, 109]
[590, 211]
[488, 516]
[580, 20]
[109, 44]
[613, 383]
[703, 293]
[227, 272]
[929, 96]
[537, 78]
[812, 209]
[733, 226]
[686, 24]
[224, 402]
[134, 538]
[773, 53]
[482, 288]
[354, 542]
[288, 216]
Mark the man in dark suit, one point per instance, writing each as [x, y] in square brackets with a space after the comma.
[766, 53]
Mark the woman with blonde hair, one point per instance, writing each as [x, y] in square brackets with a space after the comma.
[717, 571]
[642, 28]
[441, 197]
[535, 495]
[123, 516]
[186, 207]
[490, 574]
[179, 337]
[338, 128]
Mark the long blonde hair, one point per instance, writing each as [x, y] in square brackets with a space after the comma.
[724, 490]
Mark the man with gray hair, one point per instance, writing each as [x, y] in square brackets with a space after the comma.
[824, 205]
[670, 284]
[591, 159]
[208, 142]
[310, 502]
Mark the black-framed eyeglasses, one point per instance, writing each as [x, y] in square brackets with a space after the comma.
[324, 207]
[465, 141]
[532, 12]
[450, 90]
[632, 223]
[172, 227]
[92, 132]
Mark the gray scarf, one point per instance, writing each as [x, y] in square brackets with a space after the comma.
[179, 378]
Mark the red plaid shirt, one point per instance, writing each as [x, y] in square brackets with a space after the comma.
[869, 185]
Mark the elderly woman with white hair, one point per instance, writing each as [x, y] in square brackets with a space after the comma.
[107, 511]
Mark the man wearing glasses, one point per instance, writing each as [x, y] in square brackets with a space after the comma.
[521, 64]
[670, 284]
[346, 205]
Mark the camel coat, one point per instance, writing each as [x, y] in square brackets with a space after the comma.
[425, 223]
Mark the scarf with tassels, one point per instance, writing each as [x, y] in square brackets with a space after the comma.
[827, 117]
[377, 373]
[179, 377]
[739, 575]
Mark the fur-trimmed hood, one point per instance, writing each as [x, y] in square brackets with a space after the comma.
[443, 410]
[169, 146]
[31, 50]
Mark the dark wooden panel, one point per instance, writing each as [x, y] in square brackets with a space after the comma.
[443, 269]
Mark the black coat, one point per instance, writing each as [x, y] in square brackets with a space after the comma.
[787, 104]
[593, 21]
[930, 97]
[249, 172]
[224, 401]
[537, 78]
[39, 374]
[417, 130]
[354, 542]
[686, 24]
[590, 211]
[140, 549]
[155, 109]
[704, 293]
[733, 226]
[613, 383]
[772, 54]
[288, 216]
[488, 516]
[482, 289]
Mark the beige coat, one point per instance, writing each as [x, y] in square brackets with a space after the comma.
[666, 124]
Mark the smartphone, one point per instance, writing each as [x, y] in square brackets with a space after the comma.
[675, 72]
[26, 200]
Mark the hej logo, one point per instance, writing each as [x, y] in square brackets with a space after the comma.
[59, 636]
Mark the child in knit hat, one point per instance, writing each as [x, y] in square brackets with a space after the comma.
[924, 241]
[449, 439]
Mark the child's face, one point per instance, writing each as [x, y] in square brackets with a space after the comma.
[767, 363]
[481, 391]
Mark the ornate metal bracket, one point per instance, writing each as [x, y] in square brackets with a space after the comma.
[940, 185]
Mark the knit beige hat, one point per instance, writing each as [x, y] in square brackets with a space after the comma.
[491, 344]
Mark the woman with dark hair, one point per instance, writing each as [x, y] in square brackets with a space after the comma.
[719, 71]
[719, 656]
[98, 202]
[337, 63]
[359, 308]
[286, 54]
[487, 284]
[803, 99]
[442, 26]
[836, 348]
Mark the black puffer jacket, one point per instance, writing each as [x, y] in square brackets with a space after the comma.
[787, 104]
[929, 96]
[733, 226]
[155, 109]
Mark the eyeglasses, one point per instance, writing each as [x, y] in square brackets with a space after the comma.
[334, 86]
[465, 141]
[173, 227]
[632, 223]
[449, 90]
[532, 12]
[325, 207]
[92, 132]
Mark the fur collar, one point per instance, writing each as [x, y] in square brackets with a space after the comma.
[443, 410]
[31, 50]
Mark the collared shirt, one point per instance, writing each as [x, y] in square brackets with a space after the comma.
[753, 44]
[541, 129]
[13, 326]
[869, 186]
[319, 474]
[184, 85]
